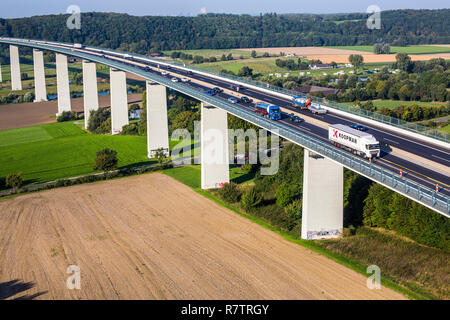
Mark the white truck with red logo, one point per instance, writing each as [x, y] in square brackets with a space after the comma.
[360, 143]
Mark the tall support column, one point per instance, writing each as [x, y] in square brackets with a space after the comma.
[214, 147]
[39, 76]
[1, 79]
[323, 197]
[62, 83]
[157, 125]
[119, 101]
[90, 92]
[16, 81]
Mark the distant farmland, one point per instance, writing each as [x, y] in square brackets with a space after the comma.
[419, 49]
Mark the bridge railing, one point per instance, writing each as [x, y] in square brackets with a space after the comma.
[429, 197]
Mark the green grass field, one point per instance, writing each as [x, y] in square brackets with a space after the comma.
[419, 49]
[61, 150]
[259, 65]
[266, 66]
[207, 53]
[342, 21]
[394, 103]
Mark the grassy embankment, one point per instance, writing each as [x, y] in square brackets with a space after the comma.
[391, 104]
[415, 270]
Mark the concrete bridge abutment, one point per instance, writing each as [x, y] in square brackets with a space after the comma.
[90, 91]
[323, 197]
[215, 169]
[39, 76]
[62, 83]
[157, 124]
[119, 100]
[16, 80]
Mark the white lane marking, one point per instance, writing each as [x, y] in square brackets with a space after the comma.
[406, 171]
[391, 141]
[439, 158]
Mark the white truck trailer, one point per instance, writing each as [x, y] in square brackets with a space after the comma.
[358, 142]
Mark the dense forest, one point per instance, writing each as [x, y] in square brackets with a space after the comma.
[220, 31]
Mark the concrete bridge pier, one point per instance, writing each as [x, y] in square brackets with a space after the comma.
[62, 84]
[119, 101]
[157, 124]
[39, 76]
[1, 79]
[16, 80]
[214, 147]
[90, 92]
[323, 197]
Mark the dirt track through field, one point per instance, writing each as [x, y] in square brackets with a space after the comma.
[151, 237]
[33, 114]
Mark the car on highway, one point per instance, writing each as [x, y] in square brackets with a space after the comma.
[295, 118]
[358, 127]
[233, 100]
[210, 92]
[245, 99]
[164, 73]
[185, 80]
[174, 79]
[217, 90]
[189, 72]
[238, 87]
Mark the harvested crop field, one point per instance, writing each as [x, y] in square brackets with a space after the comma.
[328, 55]
[32, 114]
[151, 237]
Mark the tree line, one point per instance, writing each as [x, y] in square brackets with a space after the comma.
[222, 31]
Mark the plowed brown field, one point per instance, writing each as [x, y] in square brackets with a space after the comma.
[151, 237]
[32, 114]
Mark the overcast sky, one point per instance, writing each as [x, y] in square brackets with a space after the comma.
[23, 8]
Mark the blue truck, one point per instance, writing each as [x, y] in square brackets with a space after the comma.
[266, 110]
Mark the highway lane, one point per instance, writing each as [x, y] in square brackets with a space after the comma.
[419, 173]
